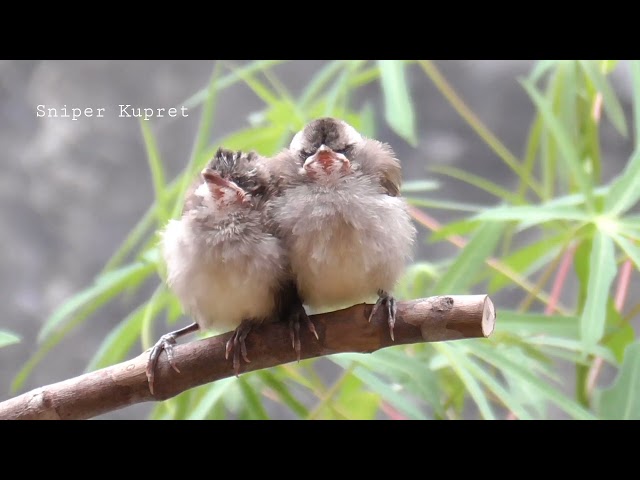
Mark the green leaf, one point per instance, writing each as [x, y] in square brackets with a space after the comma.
[456, 362]
[635, 82]
[528, 324]
[228, 80]
[622, 400]
[8, 338]
[631, 249]
[529, 259]
[252, 399]
[602, 270]
[540, 68]
[410, 372]
[507, 399]
[478, 182]
[612, 106]
[157, 171]
[213, 394]
[608, 66]
[285, 395]
[443, 204]
[624, 192]
[354, 401]
[320, 79]
[501, 361]
[397, 101]
[105, 288]
[368, 120]
[573, 345]
[620, 333]
[118, 342]
[532, 215]
[199, 154]
[398, 400]
[413, 186]
[569, 152]
[461, 272]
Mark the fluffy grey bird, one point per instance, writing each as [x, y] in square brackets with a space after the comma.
[224, 265]
[346, 227]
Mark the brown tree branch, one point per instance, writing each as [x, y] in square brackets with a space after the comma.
[431, 319]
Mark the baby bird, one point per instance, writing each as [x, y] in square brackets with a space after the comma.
[340, 214]
[225, 267]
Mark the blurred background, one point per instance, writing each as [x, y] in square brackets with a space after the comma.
[72, 191]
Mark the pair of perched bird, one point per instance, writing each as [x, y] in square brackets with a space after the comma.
[321, 224]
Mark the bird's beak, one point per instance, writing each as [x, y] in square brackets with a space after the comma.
[327, 157]
[214, 180]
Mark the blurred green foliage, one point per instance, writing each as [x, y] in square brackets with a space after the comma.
[577, 219]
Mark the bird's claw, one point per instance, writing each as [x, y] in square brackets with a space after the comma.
[237, 345]
[296, 317]
[165, 343]
[385, 299]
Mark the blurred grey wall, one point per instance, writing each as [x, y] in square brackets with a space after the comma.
[70, 191]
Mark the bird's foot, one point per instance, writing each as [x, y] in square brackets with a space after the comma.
[236, 345]
[297, 316]
[165, 343]
[385, 299]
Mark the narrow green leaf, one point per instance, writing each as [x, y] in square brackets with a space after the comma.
[501, 361]
[256, 86]
[463, 227]
[334, 98]
[507, 399]
[318, 82]
[624, 192]
[283, 392]
[478, 182]
[252, 399]
[410, 372]
[157, 170]
[229, 80]
[528, 324]
[355, 402]
[118, 342]
[568, 97]
[572, 345]
[397, 100]
[396, 399]
[608, 66]
[635, 83]
[456, 362]
[533, 215]
[622, 400]
[612, 106]
[368, 117]
[570, 154]
[8, 338]
[134, 238]
[443, 204]
[632, 250]
[620, 333]
[529, 259]
[412, 186]
[199, 153]
[105, 287]
[213, 394]
[461, 272]
[540, 68]
[602, 270]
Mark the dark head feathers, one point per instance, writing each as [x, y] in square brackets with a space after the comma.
[239, 167]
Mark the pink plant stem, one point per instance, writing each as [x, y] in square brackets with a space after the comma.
[560, 279]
